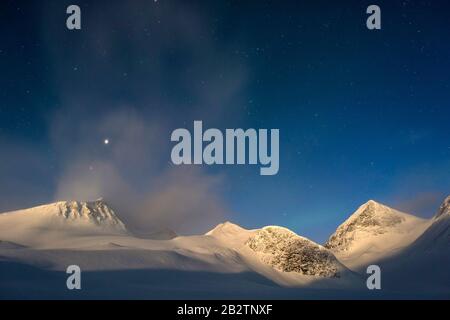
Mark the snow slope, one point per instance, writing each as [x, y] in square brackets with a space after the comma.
[374, 232]
[436, 238]
[424, 266]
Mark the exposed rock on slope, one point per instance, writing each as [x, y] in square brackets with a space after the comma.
[444, 209]
[96, 213]
[286, 251]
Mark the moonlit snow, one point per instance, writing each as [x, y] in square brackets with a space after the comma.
[37, 245]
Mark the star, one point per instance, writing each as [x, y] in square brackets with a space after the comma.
[106, 141]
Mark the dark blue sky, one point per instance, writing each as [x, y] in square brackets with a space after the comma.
[362, 114]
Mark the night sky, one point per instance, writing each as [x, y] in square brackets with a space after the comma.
[362, 114]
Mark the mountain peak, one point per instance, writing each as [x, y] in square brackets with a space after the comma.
[370, 219]
[444, 209]
[226, 227]
[373, 204]
[375, 214]
[72, 217]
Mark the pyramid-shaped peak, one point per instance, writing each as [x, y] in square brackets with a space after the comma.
[374, 204]
[375, 210]
[372, 218]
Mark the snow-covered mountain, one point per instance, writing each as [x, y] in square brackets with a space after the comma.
[90, 234]
[228, 258]
[373, 232]
[436, 238]
[413, 253]
[280, 249]
[288, 252]
[424, 265]
[45, 224]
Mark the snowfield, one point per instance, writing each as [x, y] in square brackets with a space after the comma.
[37, 245]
